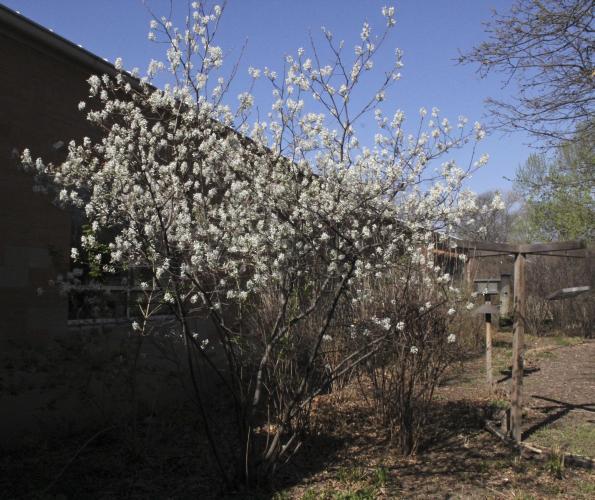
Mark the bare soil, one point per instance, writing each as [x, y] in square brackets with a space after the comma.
[558, 387]
[459, 460]
[562, 393]
[348, 455]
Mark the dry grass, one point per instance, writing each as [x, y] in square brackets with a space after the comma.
[578, 440]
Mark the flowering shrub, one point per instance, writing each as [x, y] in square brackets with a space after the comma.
[403, 369]
[268, 227]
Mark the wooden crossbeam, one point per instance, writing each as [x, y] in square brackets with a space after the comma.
[487, 246]
[525, 248]
[484, 255]
[557, 246]
[565, 255]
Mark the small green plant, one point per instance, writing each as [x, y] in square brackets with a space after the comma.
[502, 463]
[567, 341]
[351, 474]
[499, 404]
[311, 494]
[519, 465]
[545, 355]
[364, 493]
[522, 495]
[555, 463]
[380, 476]
[367, 493]
[359, 484]
[587, 488]
[483, 467]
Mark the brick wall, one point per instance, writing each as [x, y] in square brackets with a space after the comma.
[39, 93]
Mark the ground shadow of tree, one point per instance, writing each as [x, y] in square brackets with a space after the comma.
[555, 412]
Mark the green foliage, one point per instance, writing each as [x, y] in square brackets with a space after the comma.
[310, 494]
[567, 341]
[355, 483]
[95, 255]
[381, 477]
[364, 493]
[587, 488]
[359, 494]
[555, 464]
[499, 404]
[522, 495]
[351, 474]
[559, 192]
[519, 465]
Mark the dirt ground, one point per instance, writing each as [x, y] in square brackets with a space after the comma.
[562, 393]
[348, 455]
[462, 461]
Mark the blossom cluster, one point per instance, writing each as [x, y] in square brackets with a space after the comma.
[219, 208]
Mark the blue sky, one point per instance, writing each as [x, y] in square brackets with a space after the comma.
[430, 32]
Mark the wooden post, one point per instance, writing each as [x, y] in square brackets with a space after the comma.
[518, 342]
[470, 270]
[489, 375]
[516, 395]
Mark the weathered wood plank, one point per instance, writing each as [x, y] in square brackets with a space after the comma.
[526, 248]
[533, 451]
[555, 246]
[518, 341]
[489, 371]
[487, 246]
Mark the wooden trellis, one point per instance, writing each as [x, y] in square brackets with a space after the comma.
[520, 253]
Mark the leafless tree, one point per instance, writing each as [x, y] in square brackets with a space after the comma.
[486, 224]
[546, 48]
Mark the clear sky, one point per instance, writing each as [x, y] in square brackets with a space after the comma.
[430, 32]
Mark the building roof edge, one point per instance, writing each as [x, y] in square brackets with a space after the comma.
[58, 43]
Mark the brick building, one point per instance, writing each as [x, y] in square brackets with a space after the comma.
[43, 80]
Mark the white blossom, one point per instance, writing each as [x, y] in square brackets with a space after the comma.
[306, 205]
[365, 34]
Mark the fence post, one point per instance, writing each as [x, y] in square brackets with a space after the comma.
[518, 346]
[489, 374]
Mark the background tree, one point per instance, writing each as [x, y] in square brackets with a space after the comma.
[546, 48]
[559, 192]
[493, 219]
